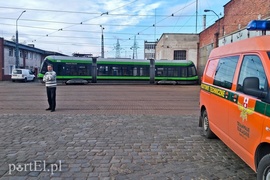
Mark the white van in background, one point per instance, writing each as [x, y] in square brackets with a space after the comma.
[22, 75]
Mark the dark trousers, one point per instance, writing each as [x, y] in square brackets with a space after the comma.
[51, 94]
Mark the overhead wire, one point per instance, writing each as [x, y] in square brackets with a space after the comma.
[59, 22]
[178, 18]
[168, 16]
[83, 22]
[81, 12]
[61, 29]
[67, 29]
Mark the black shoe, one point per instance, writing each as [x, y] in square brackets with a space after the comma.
[48, 109]
[52, 110]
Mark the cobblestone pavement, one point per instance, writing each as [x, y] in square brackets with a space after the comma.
[109, 132]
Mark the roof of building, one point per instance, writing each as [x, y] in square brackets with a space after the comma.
[31, 48]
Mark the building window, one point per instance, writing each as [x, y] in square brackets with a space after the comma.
[180, 55]
[149, 55]
[26, 55]
[149, 46]
[10, 53]
[11, 67]
[31, 55]
[21, 54]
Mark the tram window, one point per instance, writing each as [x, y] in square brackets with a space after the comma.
[89, 66]
[100, 70]
[123, 71]
[159, 71]
[103, 70]
[82, 70]
[175, 71]
[141, 71]
[71, 69]
[144, 71]
[129, 70]
[60, 69]
[115, 71]
[172, 71]
[183, 72]
[110, 71]
[135, 71]
[191, 71]
[44, 67]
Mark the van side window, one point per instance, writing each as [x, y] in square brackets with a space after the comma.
[225, 71]
[252, 67]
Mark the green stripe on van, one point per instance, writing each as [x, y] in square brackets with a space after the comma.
[260, 107]
[267, 111]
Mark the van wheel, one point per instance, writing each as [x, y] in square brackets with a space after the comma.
[25, 79]
[13, 80]
[206, 128]
[263, 171]
[33, 79]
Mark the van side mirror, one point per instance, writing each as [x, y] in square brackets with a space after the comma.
[251, 87]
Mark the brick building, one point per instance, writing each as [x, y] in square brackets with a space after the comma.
[232, 26]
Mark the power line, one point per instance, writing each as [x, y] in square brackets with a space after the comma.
[96, 13]
[75, 23]
[58, 22]
[85, 31]
[61, 29]
[78, 43]
[69, 37]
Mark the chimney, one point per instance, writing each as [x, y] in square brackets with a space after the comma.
[31, 45]
[204, 22]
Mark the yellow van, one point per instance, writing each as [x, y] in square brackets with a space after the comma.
[235, 99]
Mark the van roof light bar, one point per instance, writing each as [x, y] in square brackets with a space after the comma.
[255, 25]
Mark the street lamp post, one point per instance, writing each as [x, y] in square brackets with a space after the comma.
[102, 42]
[17, 41]
[217, 34]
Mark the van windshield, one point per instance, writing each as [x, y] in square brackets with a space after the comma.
[17, 72]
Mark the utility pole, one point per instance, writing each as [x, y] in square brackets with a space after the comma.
[102, 42]
[117, 49]
[196, 16]
[218, 29]
[17, 41]
[134, 47]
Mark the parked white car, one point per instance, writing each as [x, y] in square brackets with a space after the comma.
[22, 75]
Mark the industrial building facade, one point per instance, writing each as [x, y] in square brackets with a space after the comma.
[29, 57]
[177, 46]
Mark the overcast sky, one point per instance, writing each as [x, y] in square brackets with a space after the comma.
[70, 26]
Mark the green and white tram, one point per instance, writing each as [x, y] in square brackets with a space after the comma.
[72, 69]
